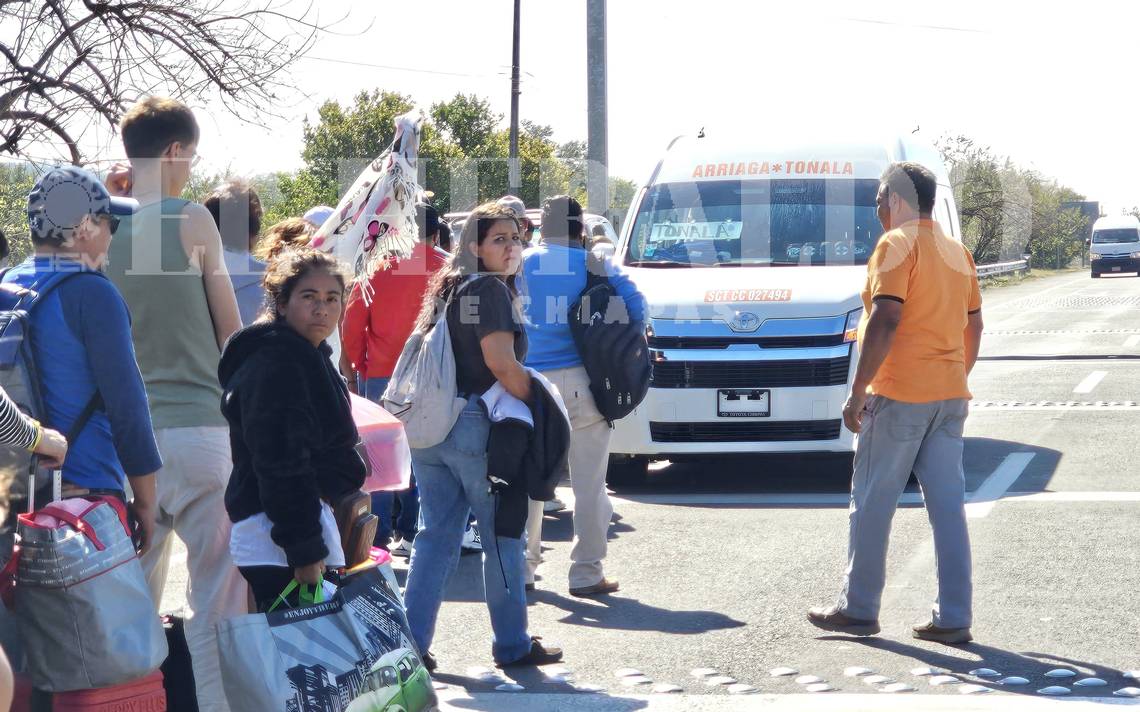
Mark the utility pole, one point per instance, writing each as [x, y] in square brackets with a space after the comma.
[515, 174]
[597, 152]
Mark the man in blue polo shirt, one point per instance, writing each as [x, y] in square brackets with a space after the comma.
[555, 275]
[81, 342]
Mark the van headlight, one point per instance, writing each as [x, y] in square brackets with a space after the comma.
[851, 330]
[1095, 256]
[1135, 255]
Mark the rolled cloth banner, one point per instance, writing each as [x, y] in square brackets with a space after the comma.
[376, 218]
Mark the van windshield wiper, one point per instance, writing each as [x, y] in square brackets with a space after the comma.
[657, 263]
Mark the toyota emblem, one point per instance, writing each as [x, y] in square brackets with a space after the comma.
[744, 321]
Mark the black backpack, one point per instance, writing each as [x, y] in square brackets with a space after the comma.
[613, 347]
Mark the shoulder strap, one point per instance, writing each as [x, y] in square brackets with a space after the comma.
[94, 404]
[39, 291]
[41, 288]
[595, 270]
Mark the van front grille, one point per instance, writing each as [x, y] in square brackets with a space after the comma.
[751, 374]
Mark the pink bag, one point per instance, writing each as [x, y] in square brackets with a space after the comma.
[385, 447]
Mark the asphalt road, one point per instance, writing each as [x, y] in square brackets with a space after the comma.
[718, 561]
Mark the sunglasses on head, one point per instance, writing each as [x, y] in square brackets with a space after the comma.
[112, 222]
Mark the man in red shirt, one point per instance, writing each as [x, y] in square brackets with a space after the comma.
[374, 334]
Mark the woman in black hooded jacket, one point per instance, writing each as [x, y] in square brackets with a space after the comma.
[291, 429]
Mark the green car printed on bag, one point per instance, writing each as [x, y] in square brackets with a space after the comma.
[397, 682]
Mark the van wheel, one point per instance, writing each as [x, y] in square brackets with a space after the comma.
[1096, 275]
[627, 470]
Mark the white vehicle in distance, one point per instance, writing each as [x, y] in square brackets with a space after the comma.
[1115, 245]
[752, 255]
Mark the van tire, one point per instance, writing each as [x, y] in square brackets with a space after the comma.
[627, 471]
[1096, 275]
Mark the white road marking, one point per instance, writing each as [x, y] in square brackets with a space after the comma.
[836, 499]
[981, 501]
[1090, 382]
[989, 407]
[458, 699]
[1132, 342]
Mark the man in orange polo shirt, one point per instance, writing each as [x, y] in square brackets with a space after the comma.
[918, 341]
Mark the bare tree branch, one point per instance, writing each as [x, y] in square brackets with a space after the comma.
[78, 65]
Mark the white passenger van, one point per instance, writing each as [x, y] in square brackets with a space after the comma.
[1115, 245]
[752, 253]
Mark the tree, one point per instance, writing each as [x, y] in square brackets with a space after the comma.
[466, 121]
[1006, 211]
[76, 64]
[16, 181]
[463, 156]
[622, 193]
[344, 139]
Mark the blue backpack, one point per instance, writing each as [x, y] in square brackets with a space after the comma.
[20, 471]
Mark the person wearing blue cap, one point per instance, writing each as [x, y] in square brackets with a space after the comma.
[80, 338]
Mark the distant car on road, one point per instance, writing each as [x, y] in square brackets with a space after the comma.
[1115, 245]
[398, 682]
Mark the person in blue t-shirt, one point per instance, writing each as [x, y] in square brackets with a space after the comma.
[80, 337]
[554, 276]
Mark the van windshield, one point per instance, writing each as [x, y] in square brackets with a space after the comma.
[735, 223]
[1116, 236]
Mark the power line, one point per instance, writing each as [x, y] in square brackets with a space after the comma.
[400, 69]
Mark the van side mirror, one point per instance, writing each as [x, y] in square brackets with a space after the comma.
[1088, 241]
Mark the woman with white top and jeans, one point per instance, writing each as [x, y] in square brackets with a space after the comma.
[291, 430]
[487, 336]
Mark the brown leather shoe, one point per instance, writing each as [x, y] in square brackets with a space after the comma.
[539, 655]
[832, 619]
[601, 588]
[950, 636]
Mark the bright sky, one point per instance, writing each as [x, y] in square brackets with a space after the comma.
[1048, 84]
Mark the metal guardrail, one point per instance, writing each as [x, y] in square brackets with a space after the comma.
[999, 268]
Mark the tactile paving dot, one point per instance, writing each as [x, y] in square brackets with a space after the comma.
[985, 672]
[1091, 682]
[857, 671]
[1061, 673]
[1054, 691]
[809, 680]
[819, 687]
[974, 689]
[783, 672]
[877, 679]
[1128, 692]
[944, 680]
[626, 672]
[667, 689]
[636, 680]
[718, 680]
[741, 689]
[705, 672]
[897, 687]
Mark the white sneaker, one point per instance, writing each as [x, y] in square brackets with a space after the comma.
[401, 547]
[471, 540]
[554, 505]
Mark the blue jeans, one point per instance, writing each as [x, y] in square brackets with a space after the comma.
[452, 478]
[383, 502]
